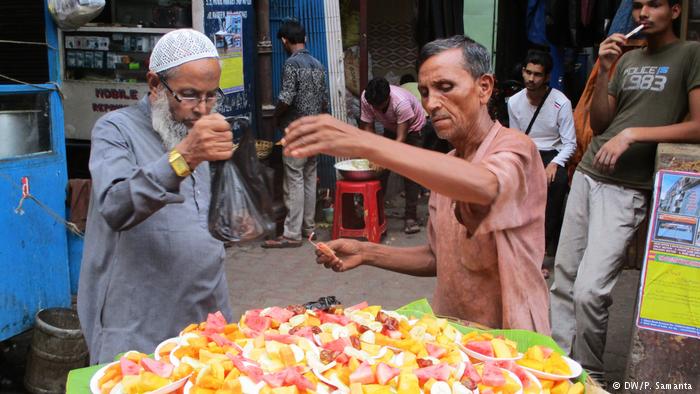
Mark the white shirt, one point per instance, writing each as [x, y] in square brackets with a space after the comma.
[554, 127]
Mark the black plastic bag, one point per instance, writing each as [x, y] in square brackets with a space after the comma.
[254, 173]
[240, 201]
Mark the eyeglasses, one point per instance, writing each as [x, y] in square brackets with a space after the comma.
[193, 101]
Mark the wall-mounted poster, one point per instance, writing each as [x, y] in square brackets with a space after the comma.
[229, 24]
[669, 299]
[229, 42]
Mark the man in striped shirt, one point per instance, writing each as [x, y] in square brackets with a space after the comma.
[403, 119]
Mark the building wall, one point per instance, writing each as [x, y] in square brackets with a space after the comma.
[480, 23]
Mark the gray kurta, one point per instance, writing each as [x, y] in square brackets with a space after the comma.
[150, 266]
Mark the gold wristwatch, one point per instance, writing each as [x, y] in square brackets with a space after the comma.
[179, 164]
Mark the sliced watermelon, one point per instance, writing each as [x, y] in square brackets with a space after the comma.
[546, 352]
[332, 318]
[275, 379]
[306, 332]
[253, 312]
[506, 364]
[361, 305]
[363, 374]
[250, 333]
[220, 340]
[215, 323]
[386, 372]
[438, 372]
[342, 358]
[493, 375]
[159, 368]
[257, 323]
[481, 347]
[247, 366]
[281, 338]
[435, 350]
[337, 345]
[281, 315]
[295, 378]
[520, 373]
[129, 367]
[471, 377]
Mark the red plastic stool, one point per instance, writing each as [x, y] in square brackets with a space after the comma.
[373, 209]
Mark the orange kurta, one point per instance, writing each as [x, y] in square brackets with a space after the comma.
[489, 257]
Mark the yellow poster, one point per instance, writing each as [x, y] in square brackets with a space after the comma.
[671, 291]
[670, 285]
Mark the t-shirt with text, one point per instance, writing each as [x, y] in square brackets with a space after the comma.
[651, 90]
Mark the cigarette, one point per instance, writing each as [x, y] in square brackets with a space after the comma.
[635, 31]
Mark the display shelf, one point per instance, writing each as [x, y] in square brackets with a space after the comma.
[123, 29]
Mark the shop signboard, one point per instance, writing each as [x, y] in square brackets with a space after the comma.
[85, 102]
[670, 283]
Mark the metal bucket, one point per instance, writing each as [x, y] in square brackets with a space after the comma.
[357, 170]
[19, 133]
[58, 346]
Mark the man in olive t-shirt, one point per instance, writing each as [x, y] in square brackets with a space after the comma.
[651, 90]
[650, 94]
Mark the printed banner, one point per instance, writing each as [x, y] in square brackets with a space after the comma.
[670, 291]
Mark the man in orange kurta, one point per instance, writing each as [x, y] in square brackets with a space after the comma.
[486, 230]
[488, 257]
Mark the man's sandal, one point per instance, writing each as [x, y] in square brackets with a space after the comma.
[411, 226]
[281, 242]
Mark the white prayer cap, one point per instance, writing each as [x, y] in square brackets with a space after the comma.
[179, 47]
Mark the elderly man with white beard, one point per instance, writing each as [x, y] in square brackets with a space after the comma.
[149, 265]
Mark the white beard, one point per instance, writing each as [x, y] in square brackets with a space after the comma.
[170, 130]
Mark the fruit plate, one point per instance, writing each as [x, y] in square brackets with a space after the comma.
[483, 357]
[515, 378]
[117, 389]
[575, 367]
[533, 379]
[94, 381]
[160, 353]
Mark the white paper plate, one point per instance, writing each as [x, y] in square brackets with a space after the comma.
[94, 387]
[173, 359]
[483, 357]
[515, 378]
[533, 379]
[575, 367]
[172, 387]
[156, 353]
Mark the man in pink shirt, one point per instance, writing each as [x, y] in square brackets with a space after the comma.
[486, 228]
[403, 119]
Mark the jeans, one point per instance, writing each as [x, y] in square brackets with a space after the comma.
[556, 195]
[299, 196]
[599, 222]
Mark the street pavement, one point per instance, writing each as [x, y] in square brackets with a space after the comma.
[264, 277]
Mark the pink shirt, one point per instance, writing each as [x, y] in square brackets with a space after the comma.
[403, 107]
[489, 257]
